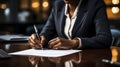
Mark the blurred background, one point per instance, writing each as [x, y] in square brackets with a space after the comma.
[18, 16]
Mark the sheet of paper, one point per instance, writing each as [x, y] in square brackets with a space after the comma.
[45, 53]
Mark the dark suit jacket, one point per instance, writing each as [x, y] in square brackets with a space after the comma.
[91, 24]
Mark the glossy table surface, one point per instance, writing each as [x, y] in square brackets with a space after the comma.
[85, 58]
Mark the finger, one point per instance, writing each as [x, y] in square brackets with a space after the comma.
[31, 42]
[42, 40]
[52, 40]
[34, 38]
[53, 43]
[34, 42]
[33, 45]
[57, 46]
[60, 46]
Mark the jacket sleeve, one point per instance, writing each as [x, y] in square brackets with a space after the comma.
[103, 38]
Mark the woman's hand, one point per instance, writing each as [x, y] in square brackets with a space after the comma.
[62, 43]
[35, 42]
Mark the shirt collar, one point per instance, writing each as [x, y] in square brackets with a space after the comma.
[75, 12]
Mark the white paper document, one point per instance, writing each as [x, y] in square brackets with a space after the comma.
[45, 53]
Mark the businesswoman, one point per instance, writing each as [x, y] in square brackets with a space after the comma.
[75, 24]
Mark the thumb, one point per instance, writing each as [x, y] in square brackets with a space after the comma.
[42, 39]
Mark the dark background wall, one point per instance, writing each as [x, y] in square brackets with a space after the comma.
[18, 16]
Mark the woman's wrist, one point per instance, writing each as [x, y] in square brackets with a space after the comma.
[75, 43]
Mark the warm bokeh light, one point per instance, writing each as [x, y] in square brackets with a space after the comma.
[45, 4]
[114, 55]
[115, 10]
[115, 1]
[24, 4]
[3, 6]
[35, 4]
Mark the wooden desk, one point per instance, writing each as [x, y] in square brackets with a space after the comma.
[86, 58]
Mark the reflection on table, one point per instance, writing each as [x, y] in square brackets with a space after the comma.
[85, 58]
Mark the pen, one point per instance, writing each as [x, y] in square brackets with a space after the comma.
[36, 31]
[111, 62]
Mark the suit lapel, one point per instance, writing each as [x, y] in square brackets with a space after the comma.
[61, 21]
[78, 22]
[62, 25]
[80, 19]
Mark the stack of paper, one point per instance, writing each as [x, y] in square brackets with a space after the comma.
[9, 37]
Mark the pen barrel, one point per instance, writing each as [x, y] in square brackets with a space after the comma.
[116, 63]
[38, 36]
[111, 62]
[36, 31]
